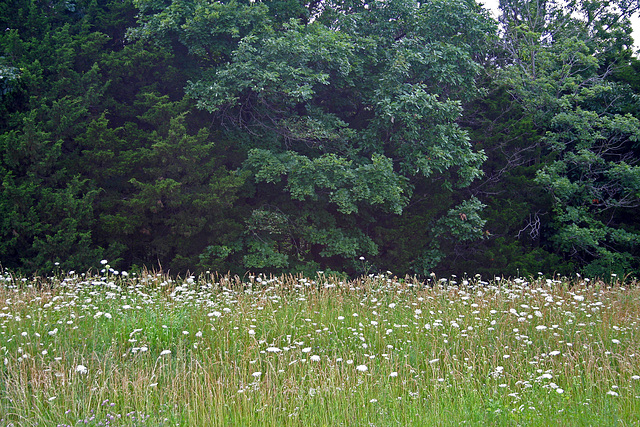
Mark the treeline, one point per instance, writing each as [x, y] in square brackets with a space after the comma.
[297, 136]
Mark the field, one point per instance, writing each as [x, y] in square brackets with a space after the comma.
[134, 350]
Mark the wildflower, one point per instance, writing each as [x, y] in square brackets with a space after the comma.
[256, 374]
[393, 374]
[362, 368]
[615, 341]
[432, 361]
[165, 352]
[273, 350]
[498, 372]
[541, 327]
[315, 358]
[306, 349]
[81, 369]
[612, 393]
[104, 261]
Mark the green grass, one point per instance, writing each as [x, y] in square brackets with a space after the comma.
[293, 351]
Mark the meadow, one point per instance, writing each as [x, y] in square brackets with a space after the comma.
[146, 349]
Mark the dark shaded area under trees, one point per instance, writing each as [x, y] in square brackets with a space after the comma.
[345, 136]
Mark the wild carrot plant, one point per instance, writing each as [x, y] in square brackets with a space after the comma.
[152, 350]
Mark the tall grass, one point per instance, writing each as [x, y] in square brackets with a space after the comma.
[149, 350]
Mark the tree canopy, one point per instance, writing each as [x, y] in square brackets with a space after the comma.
[344, 136]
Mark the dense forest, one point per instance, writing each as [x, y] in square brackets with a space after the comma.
[348, 136]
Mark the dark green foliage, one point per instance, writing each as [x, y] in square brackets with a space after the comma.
[86, 131]
[347, 122]
[289, 136]
[563, 87]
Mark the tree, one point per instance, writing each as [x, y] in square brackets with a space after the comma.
[343, 113]
[561, 60]
[47, 210]
[87, 123]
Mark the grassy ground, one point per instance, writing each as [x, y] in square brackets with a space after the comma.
[146, 350]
